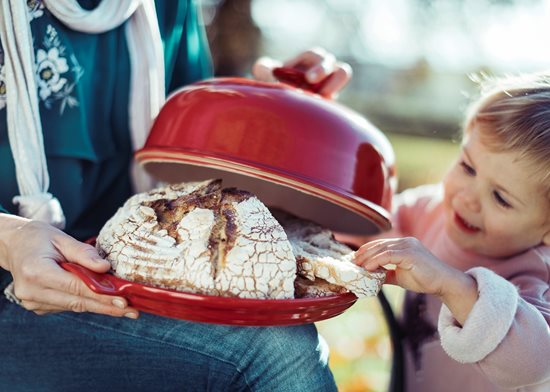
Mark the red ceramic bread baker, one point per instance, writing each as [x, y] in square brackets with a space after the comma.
[291, 147]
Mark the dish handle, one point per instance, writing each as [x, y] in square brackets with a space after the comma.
[296, 77]
[99, 283]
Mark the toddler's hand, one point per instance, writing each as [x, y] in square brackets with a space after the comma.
[417, 269]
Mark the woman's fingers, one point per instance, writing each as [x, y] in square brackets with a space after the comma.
[340, 76]
[40, 308]
[80, 253]
[263, 69]
[51, 301]
[320, 64]
[56, 289]
[317, 63]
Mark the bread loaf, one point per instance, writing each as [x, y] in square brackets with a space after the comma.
[196, 237]
[199, 238]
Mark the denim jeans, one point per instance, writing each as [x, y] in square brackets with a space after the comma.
[89, 352]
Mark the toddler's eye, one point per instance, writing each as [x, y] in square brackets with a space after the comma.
[500, 200]
[469, 170]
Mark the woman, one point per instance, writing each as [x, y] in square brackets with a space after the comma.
[81, 88]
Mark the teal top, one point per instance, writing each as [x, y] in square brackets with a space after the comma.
[83, 85]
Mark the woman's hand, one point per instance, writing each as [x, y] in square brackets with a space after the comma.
[31, 251]
[317, 63]
[417, 269]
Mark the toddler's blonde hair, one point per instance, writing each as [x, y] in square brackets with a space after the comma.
[513, 114]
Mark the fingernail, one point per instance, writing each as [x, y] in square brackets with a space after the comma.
[119, 303]
[131, 315]
[98, 260]
[312, 75]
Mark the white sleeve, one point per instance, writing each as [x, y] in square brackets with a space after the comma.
[507, 337]
[488, 321]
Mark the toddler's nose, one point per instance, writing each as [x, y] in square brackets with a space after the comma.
[470, 200]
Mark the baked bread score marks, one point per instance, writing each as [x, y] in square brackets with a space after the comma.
[196, 237]
[200, 238]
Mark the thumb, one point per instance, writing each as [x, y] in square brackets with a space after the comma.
[80, 253]
[263, 69]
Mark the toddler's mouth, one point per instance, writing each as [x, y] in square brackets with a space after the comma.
[464, 225]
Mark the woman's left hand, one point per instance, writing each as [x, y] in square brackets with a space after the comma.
[317, 63]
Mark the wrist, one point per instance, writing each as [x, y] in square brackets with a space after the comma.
[455, 284]
[459, 294]
[10, 226]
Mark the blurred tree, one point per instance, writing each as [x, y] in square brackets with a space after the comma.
[234, 37]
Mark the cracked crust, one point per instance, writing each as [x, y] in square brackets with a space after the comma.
[199, 238]
[320, 258]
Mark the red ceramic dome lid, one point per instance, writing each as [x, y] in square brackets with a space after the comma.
[294, 149]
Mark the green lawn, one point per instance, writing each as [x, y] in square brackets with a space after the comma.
[421, 160]
[359, 341]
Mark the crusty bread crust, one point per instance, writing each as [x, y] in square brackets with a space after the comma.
[201, 238]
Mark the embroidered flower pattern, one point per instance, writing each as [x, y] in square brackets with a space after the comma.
[56, 73]
[35, 9]
[2, 80]
[55, 82]
[2, 87]
[50, 67]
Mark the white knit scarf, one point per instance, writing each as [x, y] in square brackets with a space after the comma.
[23, 117]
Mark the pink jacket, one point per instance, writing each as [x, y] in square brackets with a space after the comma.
[505, 342]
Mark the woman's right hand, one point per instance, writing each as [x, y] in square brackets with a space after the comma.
[31, 250]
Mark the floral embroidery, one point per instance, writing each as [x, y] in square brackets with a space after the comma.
[49, 69]
[2, 81]
[35, 9]
[56, 73]
[52, 72]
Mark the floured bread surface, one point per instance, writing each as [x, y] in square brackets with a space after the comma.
[200, 238]
[321, 258]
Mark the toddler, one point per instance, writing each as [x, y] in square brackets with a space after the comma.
[479, 243]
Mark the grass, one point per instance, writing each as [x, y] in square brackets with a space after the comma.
[421, 160]
[359, 341]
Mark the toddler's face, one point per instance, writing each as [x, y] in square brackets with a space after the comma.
[493, 205]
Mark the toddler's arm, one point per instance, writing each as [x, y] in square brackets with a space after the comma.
[507, 333]
[502, 326]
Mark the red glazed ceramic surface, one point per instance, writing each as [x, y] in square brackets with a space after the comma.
[294, 149]
[212, 309]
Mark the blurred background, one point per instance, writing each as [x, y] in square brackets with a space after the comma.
[412, 61]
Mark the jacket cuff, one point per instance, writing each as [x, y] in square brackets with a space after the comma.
[488, 322]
